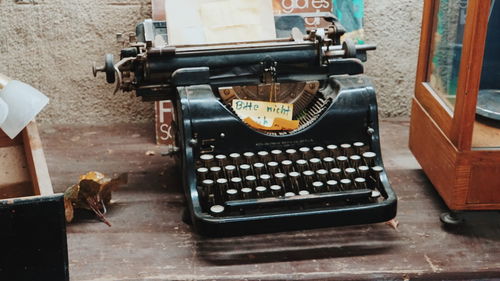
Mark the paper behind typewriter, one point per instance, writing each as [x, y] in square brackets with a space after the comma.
[219, 21]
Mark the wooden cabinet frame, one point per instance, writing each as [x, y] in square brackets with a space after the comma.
[442, 139]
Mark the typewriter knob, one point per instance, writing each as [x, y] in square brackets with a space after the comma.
[349, 48]
[108, 68]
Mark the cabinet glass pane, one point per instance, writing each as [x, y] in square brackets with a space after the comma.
[446, 49]
[487, 127]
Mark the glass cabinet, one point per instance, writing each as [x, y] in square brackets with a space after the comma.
[455, 118]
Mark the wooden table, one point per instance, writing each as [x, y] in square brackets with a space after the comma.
[148, 240]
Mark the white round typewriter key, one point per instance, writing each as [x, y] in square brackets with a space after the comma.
[308, 177]
[336, 173]
[280, 178]
[202, 170]
[360, 183]
[294, 180]
[221, 181]
[260, 188]
[277, 155]
[236, 183]
[342, 162]
[250, 178]
[350, 173]
[322, 175]
[272, 167]
[287, 166]
[305, 151]
[304, 192]
[208, 182]
[291, 154]
[363, 171]
[246, 192]
[346, 149]
[258, 165]
[265, 179]
[206, 159]
[355, 161]
[216, 172]
[249, 156]
[261, 191]
[232, 194]
[375, 194]
[258, 168]
[333, 150]
[289, 194]
[345, 184]
[376, 170]
[221, 159]
[222, 185]
[230, 170]
[318, 186]
[332, 185]
[264, 156]
[369, 158]
[217, 209]
[359, 147]
[328, 162]
[301, 165]
[319, 150]
[244, 170]
[235, 158]
[251, 181]
[315, 164]
[202, 173]
[208, 186]
[275, 190]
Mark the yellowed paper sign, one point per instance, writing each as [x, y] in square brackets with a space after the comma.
[270, 115]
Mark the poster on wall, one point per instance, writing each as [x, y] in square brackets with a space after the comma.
[349, 12]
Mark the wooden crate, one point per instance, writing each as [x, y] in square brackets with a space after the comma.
[32, 224]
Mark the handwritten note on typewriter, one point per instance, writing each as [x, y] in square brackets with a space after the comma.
[219, 21]
[272, 116]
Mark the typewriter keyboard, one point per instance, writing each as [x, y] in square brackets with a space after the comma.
[302, 177]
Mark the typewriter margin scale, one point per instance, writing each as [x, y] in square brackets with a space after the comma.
[192, 75]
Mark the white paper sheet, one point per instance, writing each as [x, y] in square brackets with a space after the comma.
[219, 21]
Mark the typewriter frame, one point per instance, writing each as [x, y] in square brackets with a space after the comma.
[191, 75]
[355, 97]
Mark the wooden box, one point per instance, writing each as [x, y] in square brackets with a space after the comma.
[32, 224]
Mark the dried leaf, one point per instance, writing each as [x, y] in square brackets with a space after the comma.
[112, 185]
[71, 193]
[96, 176]
[89, 188]
[393, 223]
[93, 192]
[68, 210]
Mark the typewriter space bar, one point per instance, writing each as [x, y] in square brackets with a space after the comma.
[316, 198]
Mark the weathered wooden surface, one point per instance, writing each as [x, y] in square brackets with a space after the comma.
[149, 241]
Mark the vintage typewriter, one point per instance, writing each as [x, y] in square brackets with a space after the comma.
[240, 180]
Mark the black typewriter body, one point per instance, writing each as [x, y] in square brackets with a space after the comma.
[206, 126]
[240, 180]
